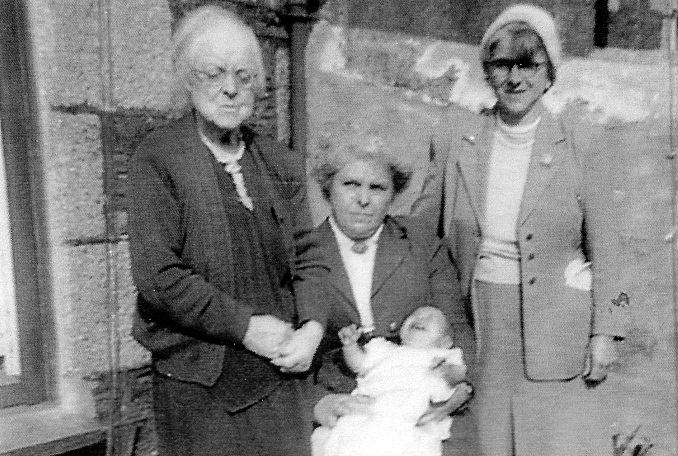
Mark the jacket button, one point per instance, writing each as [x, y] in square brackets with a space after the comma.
[530, 256]
[528, 237]
[532, 280]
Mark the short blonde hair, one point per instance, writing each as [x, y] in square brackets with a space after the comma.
[195, 24]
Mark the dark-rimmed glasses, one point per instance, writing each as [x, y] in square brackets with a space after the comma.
[499, 69]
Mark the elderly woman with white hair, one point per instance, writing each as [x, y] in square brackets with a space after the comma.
[213, 208]
[523, 203]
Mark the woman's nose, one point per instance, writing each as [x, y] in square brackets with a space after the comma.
[514, 77]
[363, 197]
[229, 86]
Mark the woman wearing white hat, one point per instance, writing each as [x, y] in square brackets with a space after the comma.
[532, 232]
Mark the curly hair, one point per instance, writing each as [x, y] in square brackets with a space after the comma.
[361, 146]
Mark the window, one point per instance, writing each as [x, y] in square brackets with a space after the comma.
[10, 365]
[22, 331]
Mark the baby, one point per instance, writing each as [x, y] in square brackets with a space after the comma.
[403, 382]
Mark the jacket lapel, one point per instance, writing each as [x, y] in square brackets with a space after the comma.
[474, 161]
[391, 251]
[339, 277]
[546, 156]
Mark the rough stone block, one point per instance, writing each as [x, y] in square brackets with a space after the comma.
[140, 35]
[74, 176]
[84, 309]
[68, 52]
[98, 298]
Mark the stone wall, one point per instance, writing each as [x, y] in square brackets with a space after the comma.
[388, 69]
[104, 81]
[618, 23]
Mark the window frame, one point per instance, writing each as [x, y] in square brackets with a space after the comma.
[19, 123]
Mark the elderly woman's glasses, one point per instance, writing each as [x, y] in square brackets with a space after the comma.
[500, 69]
[215, 77]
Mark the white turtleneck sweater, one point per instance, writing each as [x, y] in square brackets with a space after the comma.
[507, 174]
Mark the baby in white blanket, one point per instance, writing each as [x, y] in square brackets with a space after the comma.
[403, 382]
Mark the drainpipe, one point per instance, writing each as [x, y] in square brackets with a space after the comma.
[671, 19]
[107, 109]
[299, 17]
[669, 9]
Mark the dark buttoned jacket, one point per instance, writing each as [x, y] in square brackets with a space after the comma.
[182, 261]
[411, 269]
[566, 213]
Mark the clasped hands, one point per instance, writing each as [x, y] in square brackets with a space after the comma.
[292, 351]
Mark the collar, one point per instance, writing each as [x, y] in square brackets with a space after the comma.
[219, 153]
[346, 242]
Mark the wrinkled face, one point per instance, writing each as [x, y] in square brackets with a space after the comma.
[221, 80]
[360, 195]
[426, 327]
[518, 78]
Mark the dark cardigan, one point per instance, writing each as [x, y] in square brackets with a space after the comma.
[182, 260]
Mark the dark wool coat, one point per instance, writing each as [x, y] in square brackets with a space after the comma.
[182, 262]
[411, 270]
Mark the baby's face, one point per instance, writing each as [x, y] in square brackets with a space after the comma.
[426, 327]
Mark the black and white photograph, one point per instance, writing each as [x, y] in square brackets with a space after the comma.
[338, 228]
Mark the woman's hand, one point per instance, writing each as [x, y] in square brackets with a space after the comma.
[349, 335]
[333, 406]
[297, 354]
[266, 334]
[602, 355]
[437, 411]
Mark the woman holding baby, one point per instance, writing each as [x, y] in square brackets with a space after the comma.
[365, 268]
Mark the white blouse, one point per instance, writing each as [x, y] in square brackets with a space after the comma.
[359, 268]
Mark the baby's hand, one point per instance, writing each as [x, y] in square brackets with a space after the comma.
[349, 335]
[297, 354]
[452, 373]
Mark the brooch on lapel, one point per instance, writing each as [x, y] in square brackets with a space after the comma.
[359, 247]
[469, 138]
[546, 160]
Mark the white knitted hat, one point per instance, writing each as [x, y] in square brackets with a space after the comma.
[539, 19]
